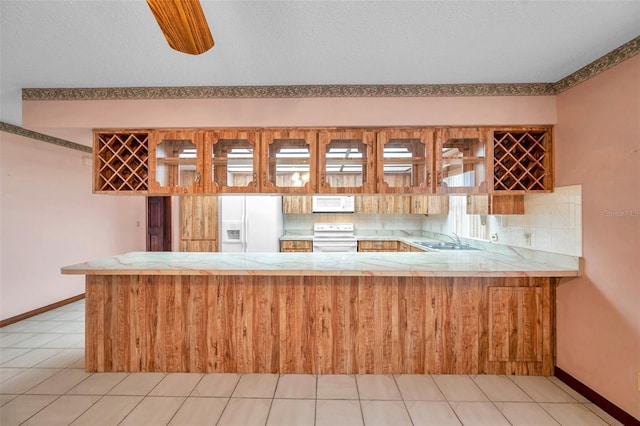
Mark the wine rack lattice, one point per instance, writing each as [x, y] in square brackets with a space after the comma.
[121, 161]
[522, 161]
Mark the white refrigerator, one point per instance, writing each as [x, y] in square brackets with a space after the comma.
[250, 223]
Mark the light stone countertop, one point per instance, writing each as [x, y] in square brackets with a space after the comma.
[422, 264]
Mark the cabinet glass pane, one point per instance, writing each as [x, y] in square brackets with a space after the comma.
[232, 162]
[176, 162]
[346, 163]
[405, 163]
[463, 163]
[289, 162]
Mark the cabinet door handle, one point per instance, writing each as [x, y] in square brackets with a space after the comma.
[255, 179]
[429, 179]
[322, 178]
[439, 178]
[197, 177]
[264, 178]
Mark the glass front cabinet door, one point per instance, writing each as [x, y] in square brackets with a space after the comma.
[405, 161]
[461, 160]
[231, 161]
[288, 161]
[346, 161]
[175, 162]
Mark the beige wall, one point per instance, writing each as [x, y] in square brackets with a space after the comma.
[48, 116]
[598, 146]
[49, 219]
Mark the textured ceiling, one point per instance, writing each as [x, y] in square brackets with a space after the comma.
[100, 43]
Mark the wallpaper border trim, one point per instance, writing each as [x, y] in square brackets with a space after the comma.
[21, 131]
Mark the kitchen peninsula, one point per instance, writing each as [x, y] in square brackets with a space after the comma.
[321, 313]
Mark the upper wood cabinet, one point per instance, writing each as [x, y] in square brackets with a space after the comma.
[462, 160]
[411, 161]
[175, 162]
[383, 204]
[495, 204]
[288, 161]
[522, 160]
[346, 161]
[429, 204]
[120, 161]
[405, 161]
[297, 204]
[232, 161]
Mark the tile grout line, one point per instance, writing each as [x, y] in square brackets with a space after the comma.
[538, 402]
[446, 399]
[489, 399]
[275, 389]
[185, 399]
[582, 403]
[355, 377]
[404, 403]
[229, 399]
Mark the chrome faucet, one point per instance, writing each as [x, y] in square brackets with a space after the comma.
[454, 237]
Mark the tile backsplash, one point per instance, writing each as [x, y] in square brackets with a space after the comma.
[552, 222]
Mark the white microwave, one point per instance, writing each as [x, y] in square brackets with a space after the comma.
[333, 203]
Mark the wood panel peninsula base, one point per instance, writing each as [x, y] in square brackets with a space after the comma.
[354, 321]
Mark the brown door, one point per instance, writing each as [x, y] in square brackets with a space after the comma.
[158, 223]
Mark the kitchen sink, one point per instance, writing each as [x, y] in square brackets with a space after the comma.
[444, 246]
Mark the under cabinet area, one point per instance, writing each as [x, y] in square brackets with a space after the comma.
[296, 246]
[377, 246]
[411, 161]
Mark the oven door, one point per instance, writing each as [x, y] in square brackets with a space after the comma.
[335, 246]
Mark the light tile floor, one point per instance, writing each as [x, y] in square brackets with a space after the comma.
[43, 382]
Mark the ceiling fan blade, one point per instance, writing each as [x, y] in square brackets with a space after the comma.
[183, 24]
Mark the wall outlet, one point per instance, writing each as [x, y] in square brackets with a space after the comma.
[527, 238]
[494, 237]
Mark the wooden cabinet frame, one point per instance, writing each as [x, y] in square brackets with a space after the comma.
[483, 135]
[368, 138]
[156, 138]
[423, 183]
[212, 166]
[268, 170]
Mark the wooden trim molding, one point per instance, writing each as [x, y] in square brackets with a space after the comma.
[616, 56]
[593, 396]
[39, 311]
[21, 131]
